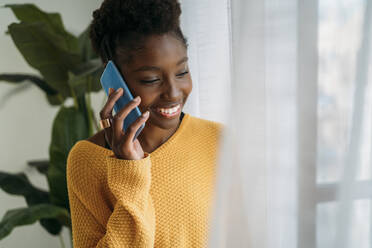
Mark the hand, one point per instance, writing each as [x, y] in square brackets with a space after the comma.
[121, 143]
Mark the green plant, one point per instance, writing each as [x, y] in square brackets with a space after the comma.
[68, 69]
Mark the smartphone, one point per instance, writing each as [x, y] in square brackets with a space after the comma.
[111, 78]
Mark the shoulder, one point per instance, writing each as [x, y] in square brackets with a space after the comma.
[203, 137]
[83, 150]
[85, 161]
[98, 138]
[205, 128]
[200, 123]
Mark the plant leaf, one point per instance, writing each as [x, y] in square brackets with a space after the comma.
[18, 184]
[88, 67]
[88, 79]
[69, 126]
[53, 97]
[30, 13]
[20, 77]
[85, 46]
[29, 215]
[47, 52]
[53, 226]
[40, 165]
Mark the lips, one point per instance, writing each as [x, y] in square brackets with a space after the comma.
[169, 113]
[168, 105]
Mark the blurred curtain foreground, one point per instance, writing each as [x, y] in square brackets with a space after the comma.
[295, 167]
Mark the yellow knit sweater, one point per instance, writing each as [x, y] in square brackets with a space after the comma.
[162, 200]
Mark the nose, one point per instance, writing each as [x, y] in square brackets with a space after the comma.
[171, 89]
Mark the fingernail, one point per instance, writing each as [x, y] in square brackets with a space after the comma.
[136, 99]
[146, 114]
[118, 90]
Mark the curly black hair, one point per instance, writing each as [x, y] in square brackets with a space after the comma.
[124, 25]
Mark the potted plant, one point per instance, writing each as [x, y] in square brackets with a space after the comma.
[68, 68]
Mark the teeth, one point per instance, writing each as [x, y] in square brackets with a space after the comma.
[169, 110]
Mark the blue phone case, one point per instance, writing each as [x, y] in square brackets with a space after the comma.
[111, 78]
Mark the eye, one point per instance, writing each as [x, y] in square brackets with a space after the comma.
[182, 74]
[149, 81]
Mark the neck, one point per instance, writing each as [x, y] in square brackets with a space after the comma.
[152, 136]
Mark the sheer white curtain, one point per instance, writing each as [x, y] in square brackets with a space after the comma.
[205, 23]
[295, 166]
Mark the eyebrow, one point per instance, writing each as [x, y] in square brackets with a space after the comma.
[154, 68]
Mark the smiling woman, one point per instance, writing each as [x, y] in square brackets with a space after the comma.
[159, 74]
[156, 190]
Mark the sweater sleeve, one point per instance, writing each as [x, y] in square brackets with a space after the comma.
[132, 221]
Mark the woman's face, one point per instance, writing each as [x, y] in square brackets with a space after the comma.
[159, 74]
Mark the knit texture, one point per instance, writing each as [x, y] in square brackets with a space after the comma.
[162, 200]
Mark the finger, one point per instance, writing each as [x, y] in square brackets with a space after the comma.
[110, 91]
[107, 109]
[106, 112]
[118, 119]
[108, 134]
[132, 130]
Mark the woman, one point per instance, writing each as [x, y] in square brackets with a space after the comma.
[155, 191]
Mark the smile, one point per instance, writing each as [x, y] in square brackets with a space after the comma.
[169, 112]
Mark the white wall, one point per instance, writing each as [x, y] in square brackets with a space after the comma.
[26, 117]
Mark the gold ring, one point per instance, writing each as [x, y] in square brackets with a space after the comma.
[105, 123]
